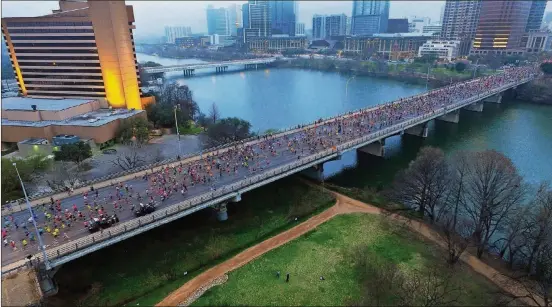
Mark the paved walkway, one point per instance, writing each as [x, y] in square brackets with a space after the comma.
[343, 205]
[20, 289]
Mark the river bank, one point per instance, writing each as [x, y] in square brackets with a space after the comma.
[399, 72]
[537, 91]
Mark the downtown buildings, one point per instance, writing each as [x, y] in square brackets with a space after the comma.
[327, 26]
[174, 32]
[71, 66]
[369, 17]
[484, 27]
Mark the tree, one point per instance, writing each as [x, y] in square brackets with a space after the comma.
[214, 114]
[64, 175]
[28, 170]
[493, 189]
[540, 224]
[460, 66]
[134, 131]
[174, 94]
[423, 185]
[455, 232]
[546, 68]
[492, 61]
[76, 152]
[128, 159]
[513, 241]
[428, 288]
[229, 130]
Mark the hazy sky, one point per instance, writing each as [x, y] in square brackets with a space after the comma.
[152, 16]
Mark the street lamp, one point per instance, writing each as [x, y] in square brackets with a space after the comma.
[177, 131]
[475, 68]
[347, 84]
[40, 242]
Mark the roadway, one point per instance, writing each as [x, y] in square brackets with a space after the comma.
[284, 156]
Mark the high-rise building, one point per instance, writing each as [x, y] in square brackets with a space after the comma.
[460, 21]
[369, 17]
[434, 29]
[257, 21]
[218, 21]
[327, 26]
[82, 50]
[501, 27]
[336, 25]
[283, 16]
[299, 29]
[348, 29]
[536, 14]
[174, 32]
[397, 25]
[416, 24]
[234, 18]
[318, 26]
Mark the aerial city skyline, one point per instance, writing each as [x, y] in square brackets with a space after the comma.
[149, 159]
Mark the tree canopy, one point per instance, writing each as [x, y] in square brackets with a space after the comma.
[134, 130]
[460, 66]
[229, 130]
[546, 68]
[28, 168]
[76, 152]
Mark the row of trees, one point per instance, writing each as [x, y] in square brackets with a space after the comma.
[478, 199]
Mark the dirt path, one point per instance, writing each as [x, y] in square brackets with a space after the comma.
[343, 205]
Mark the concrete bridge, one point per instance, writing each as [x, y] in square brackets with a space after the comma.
[283, 165]
[189, 69]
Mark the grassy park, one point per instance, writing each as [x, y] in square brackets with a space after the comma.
[144, 269]
[335, 250]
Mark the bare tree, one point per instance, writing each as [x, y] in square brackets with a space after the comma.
[493, 188]
[540, 223]
[424, 184]
[64, 175]
[214, 114]
[511, 245]
[455, 232]
[429, 288]
[128, 159]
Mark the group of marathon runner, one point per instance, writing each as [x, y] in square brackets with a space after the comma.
[58, 216]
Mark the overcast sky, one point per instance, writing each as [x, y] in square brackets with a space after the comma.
[152, 16]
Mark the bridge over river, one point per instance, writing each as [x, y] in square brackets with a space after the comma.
[299, 149]
[189, 69]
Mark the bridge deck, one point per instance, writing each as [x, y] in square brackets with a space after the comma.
[168, 68]
[227, 186]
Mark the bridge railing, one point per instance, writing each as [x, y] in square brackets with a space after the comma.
[19, 204]
[228, 191]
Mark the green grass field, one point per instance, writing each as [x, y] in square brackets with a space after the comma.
[146, 268]
[326, 251]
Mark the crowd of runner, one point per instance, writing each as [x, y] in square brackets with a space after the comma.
[56, 218]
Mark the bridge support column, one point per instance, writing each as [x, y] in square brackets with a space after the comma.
[452, 117]
[418, 130]
[46, 280]
[495, 98]
[315, 173]
[376, 149]
[475, 107]
[222, 212]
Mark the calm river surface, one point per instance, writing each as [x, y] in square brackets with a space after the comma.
[280, 98]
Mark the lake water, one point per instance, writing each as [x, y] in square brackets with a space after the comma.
[279, 98]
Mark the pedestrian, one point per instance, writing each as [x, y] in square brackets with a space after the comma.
[278, 274]
[287, 277]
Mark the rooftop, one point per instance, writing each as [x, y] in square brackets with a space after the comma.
[91, 119]
[33, 141]
[42, 104]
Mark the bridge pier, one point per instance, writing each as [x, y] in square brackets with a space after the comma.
[189, 72]
[475, 107]
[420, 130]
[222, 212]
[452, 117]
[495, 98]
[46, 280]
[315, 173]
[376, 149]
